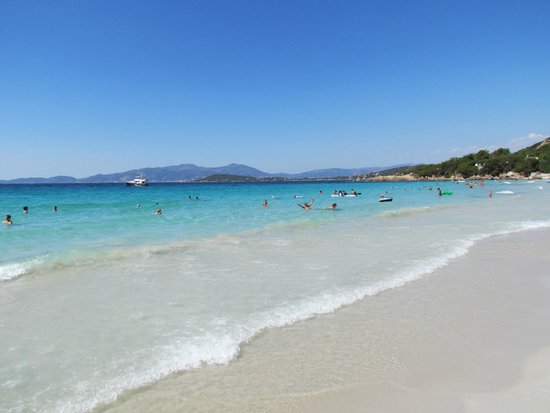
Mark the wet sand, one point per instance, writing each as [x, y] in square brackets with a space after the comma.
[471, 337]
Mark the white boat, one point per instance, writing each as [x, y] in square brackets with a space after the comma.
[138, 181]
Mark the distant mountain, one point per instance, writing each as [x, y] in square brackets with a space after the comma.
[176, 173]
[190, 172]
[52, 180]
[228, 178]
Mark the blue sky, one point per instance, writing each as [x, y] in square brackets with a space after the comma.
[100, 86]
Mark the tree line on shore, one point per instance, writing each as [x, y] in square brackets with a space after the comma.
[535, 158]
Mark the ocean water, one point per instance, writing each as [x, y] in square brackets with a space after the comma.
[103, 297]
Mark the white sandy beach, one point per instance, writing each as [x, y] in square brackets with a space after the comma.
[471, 337]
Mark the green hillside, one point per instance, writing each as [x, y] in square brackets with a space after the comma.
[535, 158]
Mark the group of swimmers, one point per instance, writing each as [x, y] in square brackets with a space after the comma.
[8, 220]
[344, 193]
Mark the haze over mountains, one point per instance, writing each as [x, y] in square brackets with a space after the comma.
[190, 172]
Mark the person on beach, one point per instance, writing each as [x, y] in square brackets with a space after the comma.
[333, 206]
[8, 220]
[264, 204]
[307, 205]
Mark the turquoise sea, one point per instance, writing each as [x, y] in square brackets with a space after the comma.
[104, 296]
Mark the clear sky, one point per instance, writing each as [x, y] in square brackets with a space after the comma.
[101, 86]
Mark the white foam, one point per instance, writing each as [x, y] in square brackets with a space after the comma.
[179, 356]
[17, 269]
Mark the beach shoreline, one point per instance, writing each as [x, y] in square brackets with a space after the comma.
[497, 358]
[469, 337]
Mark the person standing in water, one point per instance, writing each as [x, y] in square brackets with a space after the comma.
[8, 220]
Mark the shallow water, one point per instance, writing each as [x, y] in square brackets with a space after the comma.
[102, 296]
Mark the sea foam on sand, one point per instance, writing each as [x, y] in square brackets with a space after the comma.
[471, 337]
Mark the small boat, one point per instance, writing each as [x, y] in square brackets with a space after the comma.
[138, 181]
[385, 199]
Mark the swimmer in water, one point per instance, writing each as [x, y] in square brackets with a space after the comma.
[307, 205]
[159, 212]
[333, 206]
[8, 220]
[264, 204]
